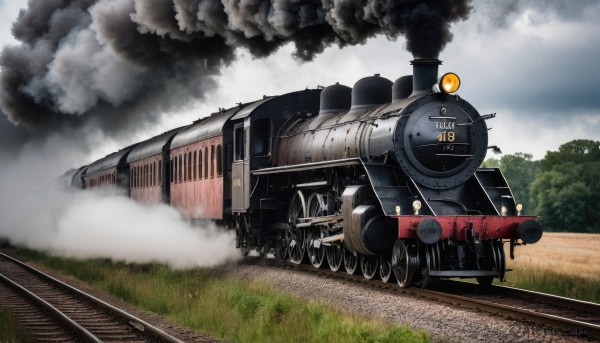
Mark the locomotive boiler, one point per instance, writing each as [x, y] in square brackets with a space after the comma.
[381, 179]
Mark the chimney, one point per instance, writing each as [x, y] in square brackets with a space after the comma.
[425, 74]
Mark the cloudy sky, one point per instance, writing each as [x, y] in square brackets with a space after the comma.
[533, 63]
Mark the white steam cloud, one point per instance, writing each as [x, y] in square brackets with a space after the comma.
[38, 213]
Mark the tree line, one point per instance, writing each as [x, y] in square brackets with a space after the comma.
[563, 188]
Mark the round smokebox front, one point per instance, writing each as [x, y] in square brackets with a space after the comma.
[442, 144]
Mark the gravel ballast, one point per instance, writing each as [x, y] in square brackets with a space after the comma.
[444, 322]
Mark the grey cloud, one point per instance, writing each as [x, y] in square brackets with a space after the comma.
[79, 56]
[500, 13]
[551, 73]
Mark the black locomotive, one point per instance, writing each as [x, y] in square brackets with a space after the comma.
[382, 178]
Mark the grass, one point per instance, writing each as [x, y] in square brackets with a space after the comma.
[565, 264]
[10, 331]
[227, 309]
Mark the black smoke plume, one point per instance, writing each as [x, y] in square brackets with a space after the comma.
[112, 63]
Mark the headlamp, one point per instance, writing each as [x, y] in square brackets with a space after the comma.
[416, 206]
[449, 83]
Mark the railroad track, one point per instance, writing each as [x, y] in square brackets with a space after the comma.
[53, 311]
[540, 313]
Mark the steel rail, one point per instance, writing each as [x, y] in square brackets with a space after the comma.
[77, 329]
[134, 321]
[557, 300]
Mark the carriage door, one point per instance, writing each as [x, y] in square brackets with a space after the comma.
[240, 192]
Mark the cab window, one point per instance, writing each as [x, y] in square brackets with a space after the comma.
[239, 142]
[261, 137]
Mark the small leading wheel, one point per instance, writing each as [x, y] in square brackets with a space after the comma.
[495, 261]
[500, 257]
[433, 263]
[350, 262]
[335, 257]
[316, 208]
[385, 268]
[294, 236]
[402, 264]
[369, 266]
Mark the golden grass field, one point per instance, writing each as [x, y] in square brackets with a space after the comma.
[566, 264]
[577, 254]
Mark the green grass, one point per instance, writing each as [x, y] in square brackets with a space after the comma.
[10, 331]
[537, 279]
[225, 308]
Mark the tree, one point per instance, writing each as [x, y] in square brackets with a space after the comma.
[566, 193]
[491, 163]
[577, 151]
[518, 169]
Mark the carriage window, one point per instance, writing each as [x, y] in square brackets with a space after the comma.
[239, 143]
[261, 137]
[159, 173]
[206, 162]
[175, 169]
[195, 166]
[219, 160]
[189, 166]
[212, 161]
[180, 175]
[200, 164]
[185, 165]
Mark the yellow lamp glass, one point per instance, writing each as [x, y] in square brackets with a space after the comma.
[450, 83]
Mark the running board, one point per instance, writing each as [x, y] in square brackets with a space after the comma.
[462, 273]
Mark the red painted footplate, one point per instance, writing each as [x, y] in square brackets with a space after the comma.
[455, 227]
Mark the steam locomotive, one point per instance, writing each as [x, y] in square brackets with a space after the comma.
[381, 179]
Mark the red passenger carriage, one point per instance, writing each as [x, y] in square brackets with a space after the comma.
[149, 169]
